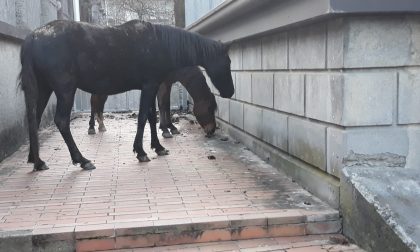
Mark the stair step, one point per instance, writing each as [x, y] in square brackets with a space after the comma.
[314, 243]
[284, 223]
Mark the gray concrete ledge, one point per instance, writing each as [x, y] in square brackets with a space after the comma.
[380, 207]
[238, 19]
[11, 32]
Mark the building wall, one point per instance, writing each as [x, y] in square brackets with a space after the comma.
[17, 18]
[334, 93]
[195, 9]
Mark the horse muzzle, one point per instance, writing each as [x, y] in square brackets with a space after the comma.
[210, 129]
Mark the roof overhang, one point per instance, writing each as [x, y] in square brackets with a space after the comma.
[238, 19]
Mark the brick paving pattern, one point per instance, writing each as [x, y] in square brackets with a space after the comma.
[124, 203]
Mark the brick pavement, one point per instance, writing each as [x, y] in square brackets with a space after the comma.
[184, 197]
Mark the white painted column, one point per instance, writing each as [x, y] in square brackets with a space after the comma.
[76, 10]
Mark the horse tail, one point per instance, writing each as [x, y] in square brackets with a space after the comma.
[28, 83]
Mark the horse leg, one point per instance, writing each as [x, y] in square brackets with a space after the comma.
[167, 98]
[164, 108]
[62, 120]
[100, 115]
[174, 130]
[147, 98]
[31, 113]
[91, 130]
[44, 94]
[100, 119]
[155, 144]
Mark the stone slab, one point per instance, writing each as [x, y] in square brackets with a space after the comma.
[409, 97]
[274, 51]
[307, 47]
[236, 114]
[243, 86]
[235, 54]
[251, 55]
[275, 129]
[352, 99]
[386, 198]
[223, 108]
[307, 141]
[263, 89]
[289, 93]
[252, 120]
[383, 41]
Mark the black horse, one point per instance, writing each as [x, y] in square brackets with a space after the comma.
[64, 55]
[193, 80]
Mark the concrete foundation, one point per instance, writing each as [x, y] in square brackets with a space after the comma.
[380, 207]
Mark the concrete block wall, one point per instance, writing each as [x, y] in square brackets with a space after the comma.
[8, 11]
[48, 10]
[28, 14]
[320, 93]
[17, 17]
[12, 109]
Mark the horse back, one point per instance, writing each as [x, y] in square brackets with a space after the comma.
[102, 60]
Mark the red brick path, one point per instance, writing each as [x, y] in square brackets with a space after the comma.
[180, 198]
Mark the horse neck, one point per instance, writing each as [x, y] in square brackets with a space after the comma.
[198, 88]
[190, 58]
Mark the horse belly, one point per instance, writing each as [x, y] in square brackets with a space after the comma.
[107, 87]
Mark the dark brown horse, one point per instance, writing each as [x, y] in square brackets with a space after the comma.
[193, 80]
[63, 56]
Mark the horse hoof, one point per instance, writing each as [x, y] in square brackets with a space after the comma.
[102, 129]
[88, 166]
[43, 167]
[175, 132]
[91, 132]
[143, 158]
[162, 152]
[166, 135]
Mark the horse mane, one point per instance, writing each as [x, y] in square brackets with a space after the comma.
[187, 47]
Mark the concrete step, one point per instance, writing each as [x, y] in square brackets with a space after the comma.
[222, 228]
[124, 235]
[310, 243]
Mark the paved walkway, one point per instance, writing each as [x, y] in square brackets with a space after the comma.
[205, 190]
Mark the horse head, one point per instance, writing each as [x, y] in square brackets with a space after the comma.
[204, 111]
[218, 69]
